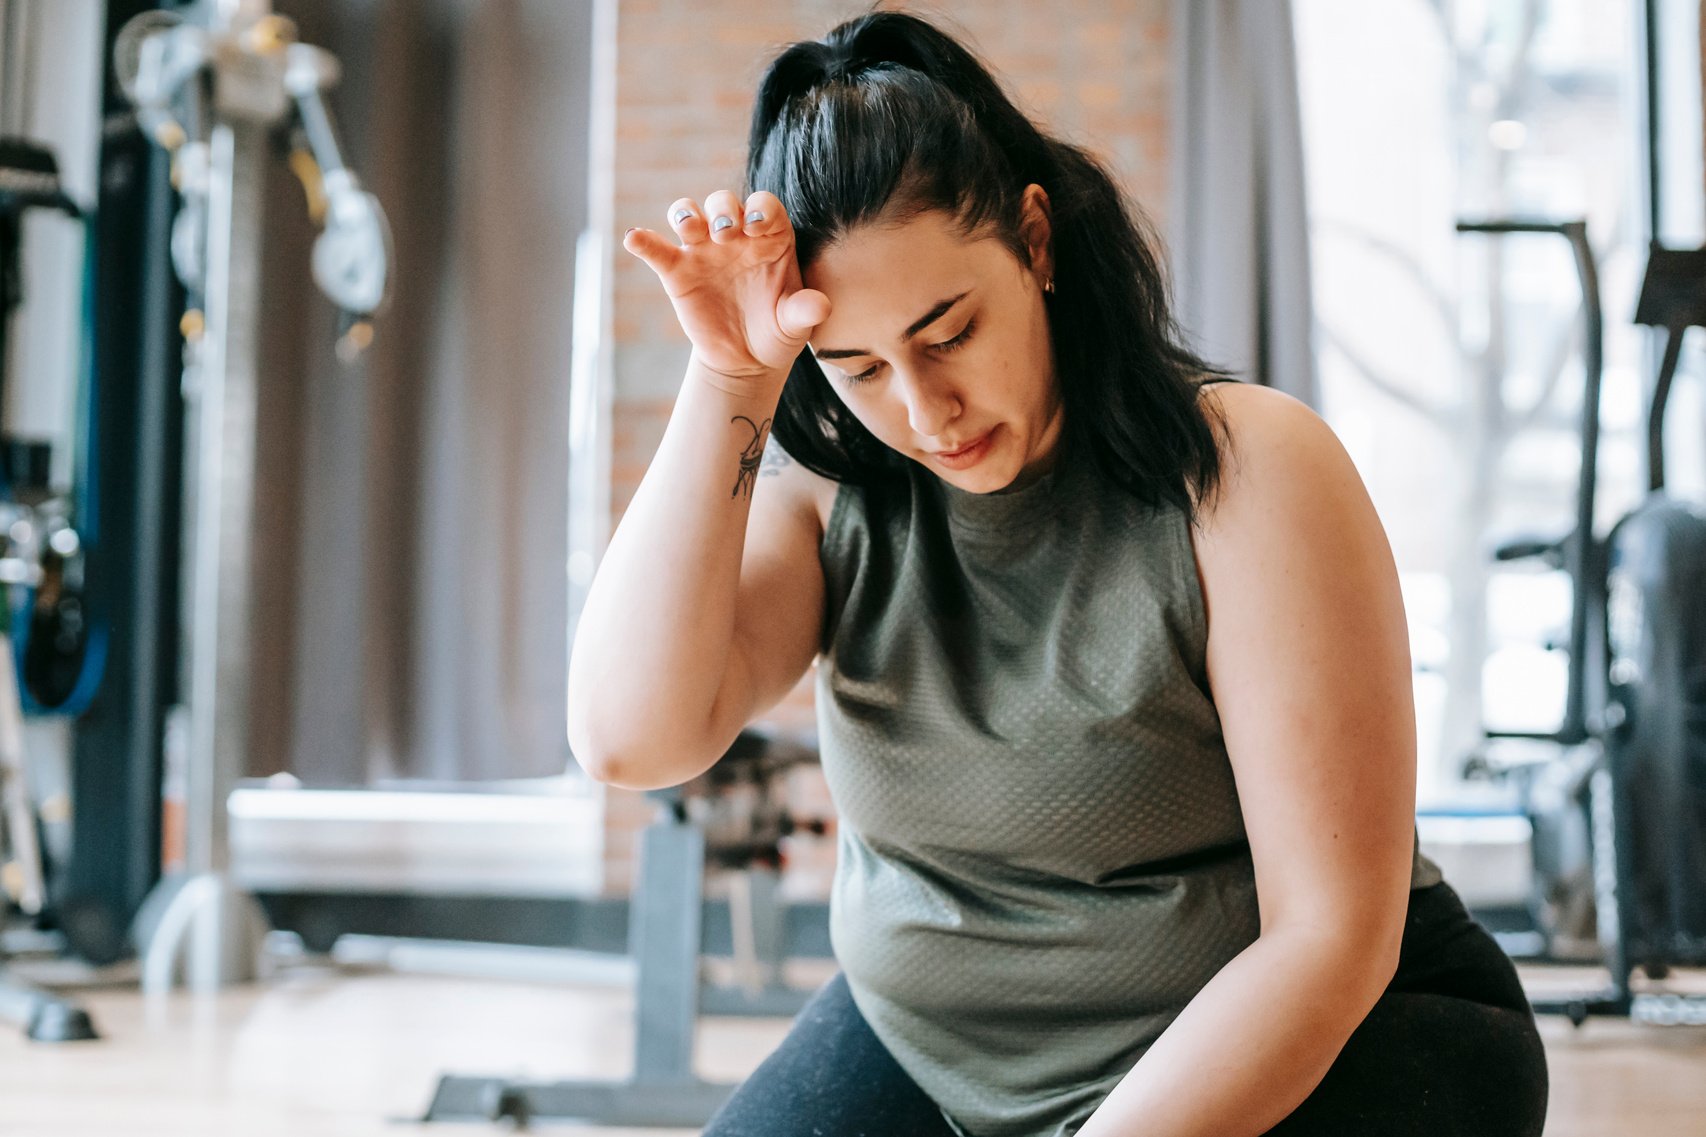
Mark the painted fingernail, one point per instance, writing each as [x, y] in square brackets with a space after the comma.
[754, 217]
[721, 223]
[681, 215]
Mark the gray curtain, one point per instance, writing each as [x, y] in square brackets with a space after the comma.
[411, 517]
[1238, 224]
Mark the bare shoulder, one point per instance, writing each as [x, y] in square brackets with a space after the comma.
[1291, 513]
[1269, 441]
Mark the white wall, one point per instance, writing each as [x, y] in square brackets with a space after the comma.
[52, 93]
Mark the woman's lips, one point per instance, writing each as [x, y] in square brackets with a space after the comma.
[967, 455]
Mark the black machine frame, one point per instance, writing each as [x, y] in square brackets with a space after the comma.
[118, 745]
[1594, 733]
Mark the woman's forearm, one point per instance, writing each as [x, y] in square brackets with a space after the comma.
[652, 646]
[1253, 1043]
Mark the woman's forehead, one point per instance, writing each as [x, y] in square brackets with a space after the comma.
[881, 278]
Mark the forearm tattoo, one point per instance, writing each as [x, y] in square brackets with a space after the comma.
[750, 456]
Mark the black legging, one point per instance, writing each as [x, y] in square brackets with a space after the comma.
[1450, 1050]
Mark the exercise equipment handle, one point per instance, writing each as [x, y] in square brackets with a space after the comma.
[1583, 552]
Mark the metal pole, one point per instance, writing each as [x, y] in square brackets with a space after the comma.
[15, 62]
[202, 913]
[220, 926]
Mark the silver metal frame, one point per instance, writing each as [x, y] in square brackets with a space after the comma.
[200, 915]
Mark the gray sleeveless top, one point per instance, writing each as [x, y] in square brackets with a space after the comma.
[1041, 852]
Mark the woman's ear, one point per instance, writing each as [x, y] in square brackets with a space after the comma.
[1037, 231]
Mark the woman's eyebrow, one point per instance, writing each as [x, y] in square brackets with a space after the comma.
[918, 325]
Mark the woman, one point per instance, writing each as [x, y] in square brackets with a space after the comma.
[1114, 688]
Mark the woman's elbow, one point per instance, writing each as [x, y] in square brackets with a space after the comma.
[599, 765]
[613, 768]
[1359, 960]
[602, 758]
[644, 761]
[1378, 952]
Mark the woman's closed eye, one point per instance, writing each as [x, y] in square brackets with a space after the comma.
[945, 346]
[958, 341]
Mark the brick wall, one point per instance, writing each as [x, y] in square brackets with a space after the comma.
[1096, 71]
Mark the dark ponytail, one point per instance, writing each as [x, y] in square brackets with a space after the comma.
[886, 118]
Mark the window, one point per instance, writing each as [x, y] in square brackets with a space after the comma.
[1451, 364]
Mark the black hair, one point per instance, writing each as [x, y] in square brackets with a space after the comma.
[887, 117]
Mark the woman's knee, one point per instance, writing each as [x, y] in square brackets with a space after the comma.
[830, 1076]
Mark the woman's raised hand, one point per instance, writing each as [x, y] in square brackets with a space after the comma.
[734, 281]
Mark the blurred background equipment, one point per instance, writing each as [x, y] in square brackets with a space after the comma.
[36, 541]
[45, 661]
[213, 88]
[732, 821]
[1617, 811]
[406, 552]
[44, 1016]
[1656, 607]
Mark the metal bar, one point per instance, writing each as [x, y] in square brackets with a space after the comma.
[322, 135]
[1582, 550]
[16, 87]
[1577, 1008]
[1511, 225]
[1650, 107]
[222, 538]
[129, 503]
[664, 933]
[219, 926]
[322, 914]
[671, 1106]
[1611, 869]
[1656, 412]
[665, 936]
[1582, 553]
[591, 379]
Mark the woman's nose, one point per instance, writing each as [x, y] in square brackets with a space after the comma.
[930, 405]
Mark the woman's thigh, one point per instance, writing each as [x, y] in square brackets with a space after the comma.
[830, 1077]
[1428, 1065]
[1451, 1048]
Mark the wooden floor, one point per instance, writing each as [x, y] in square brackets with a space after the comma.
[320, 1052]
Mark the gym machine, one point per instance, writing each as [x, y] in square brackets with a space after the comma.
[213, 85]
[1618, 811]
[733, 819]
[40, 580]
